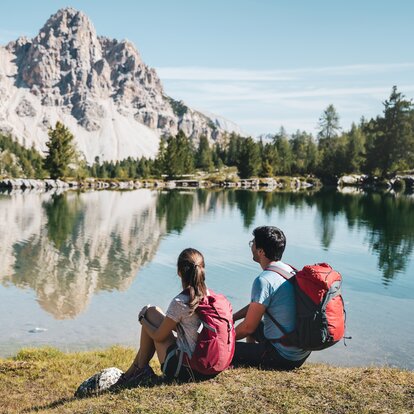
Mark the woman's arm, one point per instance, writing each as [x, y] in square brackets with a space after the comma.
[161, 333]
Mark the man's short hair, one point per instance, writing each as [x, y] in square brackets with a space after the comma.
[271, 239]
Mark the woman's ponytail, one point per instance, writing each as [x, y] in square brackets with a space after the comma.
[190, 265]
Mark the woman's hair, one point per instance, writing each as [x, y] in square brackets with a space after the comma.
[190, 265]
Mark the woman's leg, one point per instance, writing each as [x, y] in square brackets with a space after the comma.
[147, 346]
[155, 316]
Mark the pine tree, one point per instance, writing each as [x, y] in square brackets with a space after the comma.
[328, 124]
[159, 167]
[269, 156]
[355, 150]
[204, 155]
[233, 149]
[330, 148]
[393, 146]
[179, 156]
[284, 152]
[249, 162]
[61, 152]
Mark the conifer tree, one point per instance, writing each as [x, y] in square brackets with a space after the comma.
[204, 155]
[355, 150]
[179, 156]
[249, 162]
[61, 152]
[393, 146]
[284, 151]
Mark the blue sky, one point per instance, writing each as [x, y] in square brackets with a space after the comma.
[262, 63]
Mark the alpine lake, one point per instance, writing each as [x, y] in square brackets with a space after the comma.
[76, 267]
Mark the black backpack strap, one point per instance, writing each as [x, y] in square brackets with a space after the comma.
[284, 331]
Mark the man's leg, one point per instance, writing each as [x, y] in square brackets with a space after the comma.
[261, 353]
[248, 354]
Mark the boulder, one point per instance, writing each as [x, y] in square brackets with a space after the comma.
[98, 383]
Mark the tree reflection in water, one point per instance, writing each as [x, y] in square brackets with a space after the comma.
[388, 218]
[61, 218]
[175, 206]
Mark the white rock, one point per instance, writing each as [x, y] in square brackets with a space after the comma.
[99, 382]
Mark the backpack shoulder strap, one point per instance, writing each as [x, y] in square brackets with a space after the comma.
[281, 328]
[274, 270]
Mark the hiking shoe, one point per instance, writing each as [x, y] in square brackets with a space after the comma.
[141, 376]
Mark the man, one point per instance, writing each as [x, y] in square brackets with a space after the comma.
[271, 293]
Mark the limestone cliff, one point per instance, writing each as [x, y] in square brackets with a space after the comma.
[100, 88]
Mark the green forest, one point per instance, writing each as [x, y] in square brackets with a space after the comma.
[380, 147]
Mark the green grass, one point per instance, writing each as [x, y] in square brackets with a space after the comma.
[44, 380]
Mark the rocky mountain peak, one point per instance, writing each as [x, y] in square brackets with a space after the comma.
[101, 84]
[67, 22]
[66, 47]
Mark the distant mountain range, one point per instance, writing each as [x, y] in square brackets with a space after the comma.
[100, 88]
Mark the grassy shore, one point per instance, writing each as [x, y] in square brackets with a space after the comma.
[44, 381]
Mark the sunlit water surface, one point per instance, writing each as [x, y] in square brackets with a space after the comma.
[76, 268]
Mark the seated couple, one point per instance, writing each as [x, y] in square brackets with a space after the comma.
[270, 295]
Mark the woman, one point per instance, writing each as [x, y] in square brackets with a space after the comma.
[157, 327]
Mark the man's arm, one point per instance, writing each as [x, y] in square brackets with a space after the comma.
[240, 314]
[253, 317]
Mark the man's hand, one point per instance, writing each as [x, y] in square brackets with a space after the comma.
[253, 317]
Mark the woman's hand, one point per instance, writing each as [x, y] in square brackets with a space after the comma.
[142, 313]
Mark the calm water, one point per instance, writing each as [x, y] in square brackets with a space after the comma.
[76, 268]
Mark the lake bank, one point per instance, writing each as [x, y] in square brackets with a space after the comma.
[399, 183]
[114, 184]
[44, 380]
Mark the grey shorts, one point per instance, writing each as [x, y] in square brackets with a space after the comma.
[185, 373]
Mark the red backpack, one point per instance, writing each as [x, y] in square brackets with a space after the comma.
[320, 312]
[216, 341]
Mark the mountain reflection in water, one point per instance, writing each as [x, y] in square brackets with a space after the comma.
[67, 247]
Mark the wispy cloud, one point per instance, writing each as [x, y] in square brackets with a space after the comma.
[259, 100]
[233, 74]
[223, 74]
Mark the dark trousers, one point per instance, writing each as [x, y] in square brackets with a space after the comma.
[262, 354]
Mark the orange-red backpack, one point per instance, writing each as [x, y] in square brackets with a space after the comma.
[320, 311]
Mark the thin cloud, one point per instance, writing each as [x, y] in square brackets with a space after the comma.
[231, 92]
[217, 74]
[233, 74]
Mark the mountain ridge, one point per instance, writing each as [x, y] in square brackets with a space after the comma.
[100, 88]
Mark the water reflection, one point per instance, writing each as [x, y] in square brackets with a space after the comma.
[61, 218]
[387, 219]
[246, 201]
[67, 247]
[176, 206]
